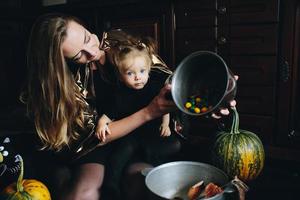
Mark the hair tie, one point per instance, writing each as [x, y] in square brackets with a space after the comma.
[104, 44]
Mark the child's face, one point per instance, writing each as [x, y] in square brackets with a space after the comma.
[136, 73]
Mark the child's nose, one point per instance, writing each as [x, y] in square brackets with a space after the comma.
[137, 77]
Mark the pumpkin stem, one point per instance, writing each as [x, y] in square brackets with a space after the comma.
[236, 121]
[20, 178]
[233, 123]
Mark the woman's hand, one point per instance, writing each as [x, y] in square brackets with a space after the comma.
[225, 111]
[161, 105]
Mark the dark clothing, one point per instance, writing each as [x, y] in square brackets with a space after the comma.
[118, 101]
[143, 144]
[86, 148]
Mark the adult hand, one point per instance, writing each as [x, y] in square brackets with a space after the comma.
[225, 111]
[161, 105]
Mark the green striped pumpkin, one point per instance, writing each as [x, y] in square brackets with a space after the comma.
[238, 152]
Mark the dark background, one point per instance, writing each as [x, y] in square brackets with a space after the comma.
[258, 39]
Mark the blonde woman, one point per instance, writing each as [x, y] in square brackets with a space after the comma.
[59, 96]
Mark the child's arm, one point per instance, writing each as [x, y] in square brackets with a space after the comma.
[164, 127]
[102, 128]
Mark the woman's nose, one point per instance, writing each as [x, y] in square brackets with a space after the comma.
[91, 51]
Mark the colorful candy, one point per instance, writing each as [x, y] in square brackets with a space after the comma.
[197, 110]
[188, 104]
[197, 104]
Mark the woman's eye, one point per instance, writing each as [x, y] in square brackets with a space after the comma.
[88, 38]
[78, 57]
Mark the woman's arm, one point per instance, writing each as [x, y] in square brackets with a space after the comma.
[157, 107]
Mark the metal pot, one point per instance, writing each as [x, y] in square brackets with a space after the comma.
[204, 74]
[172, 180]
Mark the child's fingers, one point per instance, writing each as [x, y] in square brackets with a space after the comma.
[167, 132]
[108, 130]
[98, 135]
[161, 132]
[103, 137]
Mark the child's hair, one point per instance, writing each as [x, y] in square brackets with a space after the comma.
[119, 44]
[126, 53]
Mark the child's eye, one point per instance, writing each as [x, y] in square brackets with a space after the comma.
[143, 70]
[129, 73]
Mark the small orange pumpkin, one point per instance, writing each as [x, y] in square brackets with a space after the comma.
[26, 189]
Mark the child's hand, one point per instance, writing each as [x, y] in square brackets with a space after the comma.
[101, 131]
[164, 130]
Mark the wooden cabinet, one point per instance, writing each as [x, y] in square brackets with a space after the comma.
[259, 41]
[141, 19]
[195, 27]
[288, 134]
[245, 34]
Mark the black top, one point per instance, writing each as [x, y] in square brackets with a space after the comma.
[87, 141]
[118, 101]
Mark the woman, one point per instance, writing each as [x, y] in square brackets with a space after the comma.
[59, 96]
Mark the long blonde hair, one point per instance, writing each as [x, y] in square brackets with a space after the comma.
[51, 95]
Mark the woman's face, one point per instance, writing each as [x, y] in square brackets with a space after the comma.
[80, 45]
